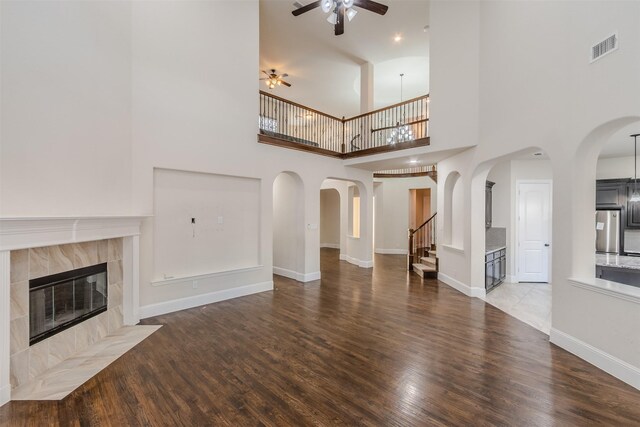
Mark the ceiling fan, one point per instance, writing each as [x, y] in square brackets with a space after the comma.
[340, 8]
[273, 79]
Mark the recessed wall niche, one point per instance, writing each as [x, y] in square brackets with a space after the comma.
[204, 223]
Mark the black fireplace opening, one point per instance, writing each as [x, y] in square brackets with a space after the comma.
[62, 300]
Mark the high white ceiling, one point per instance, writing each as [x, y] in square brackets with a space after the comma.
[324, 69]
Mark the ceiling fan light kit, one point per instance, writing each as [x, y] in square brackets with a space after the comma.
[339, 8]
[272, 80]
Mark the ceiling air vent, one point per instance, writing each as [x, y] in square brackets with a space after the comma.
[606, 46]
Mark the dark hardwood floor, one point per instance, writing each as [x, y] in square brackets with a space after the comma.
[361, 347]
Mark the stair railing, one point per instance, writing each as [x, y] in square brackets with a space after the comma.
[421, 241]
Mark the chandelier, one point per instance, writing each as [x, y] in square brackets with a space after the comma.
[401, 133]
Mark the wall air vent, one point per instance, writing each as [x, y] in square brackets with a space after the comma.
[604, 47]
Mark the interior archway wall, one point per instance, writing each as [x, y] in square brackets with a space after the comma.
[288, 226]
[450, 219]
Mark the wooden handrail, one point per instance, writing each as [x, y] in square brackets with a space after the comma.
[412, 231]
[301, 106]
[408, 101]
[278, 120]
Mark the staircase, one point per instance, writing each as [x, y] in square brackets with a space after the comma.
[423, 258]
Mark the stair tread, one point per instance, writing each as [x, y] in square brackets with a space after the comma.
[428, 260]
[423, 267]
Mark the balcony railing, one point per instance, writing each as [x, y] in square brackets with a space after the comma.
[286, 123]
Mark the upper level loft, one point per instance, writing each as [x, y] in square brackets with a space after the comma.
[291, 125]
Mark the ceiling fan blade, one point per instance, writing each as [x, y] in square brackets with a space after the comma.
[339, 28]
[306, 8]
[266, 73]
[285, 83]
[372, 6]
[284, 75]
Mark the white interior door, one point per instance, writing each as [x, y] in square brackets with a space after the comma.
[534, 231]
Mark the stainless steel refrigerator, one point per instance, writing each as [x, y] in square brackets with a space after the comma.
[608, 231]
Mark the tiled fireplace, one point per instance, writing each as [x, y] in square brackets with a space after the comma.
[39, 311]
[79, 279]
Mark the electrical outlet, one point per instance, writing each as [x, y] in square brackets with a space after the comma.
[220, 220]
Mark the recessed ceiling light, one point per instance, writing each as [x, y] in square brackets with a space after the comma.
[397, 38]
[539, 153]
[413, 161]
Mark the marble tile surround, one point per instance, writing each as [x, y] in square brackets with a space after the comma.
[527, 302]
[27, 363]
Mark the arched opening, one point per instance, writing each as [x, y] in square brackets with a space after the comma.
[355, 225]
[330, 229]
[512, 250]
[288, 226]
[617, 222]
[453, 215]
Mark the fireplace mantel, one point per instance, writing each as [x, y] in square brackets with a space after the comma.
[34, 232]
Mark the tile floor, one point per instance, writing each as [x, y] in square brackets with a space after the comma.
[61, 380]
[528, 302]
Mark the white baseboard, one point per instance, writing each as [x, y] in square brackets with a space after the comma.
[610, 364]
[459, 286]
[330, 245]
[310, 277]
[358, 262]
[512, 279]
[5, 394]
[300, 277]
[392, 251]
[343, 257]
[152, 310]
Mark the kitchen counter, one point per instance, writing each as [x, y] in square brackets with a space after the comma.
[618, 261]
[490, 248]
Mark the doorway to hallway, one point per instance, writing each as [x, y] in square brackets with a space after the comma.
[533, 230]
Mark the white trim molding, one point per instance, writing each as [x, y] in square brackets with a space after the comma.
[612, 365]
[5, 328]
[343, 257]
[461, 287]
[196, 277]
[34, 232]
[358, 262]
[158, 309]
[300, 277]
[392, 251]
[606, 287]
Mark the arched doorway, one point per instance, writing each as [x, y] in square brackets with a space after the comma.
[288, 226]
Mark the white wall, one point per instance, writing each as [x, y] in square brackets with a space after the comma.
[184, 118]
[97, 95]
[532, 93]
[392, 211]
[330, 218]
[225, 209]
[615, 167]
[66, 108]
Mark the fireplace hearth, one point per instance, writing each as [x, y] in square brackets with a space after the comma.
[59, 301]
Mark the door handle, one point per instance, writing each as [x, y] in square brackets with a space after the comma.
[546, 245]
